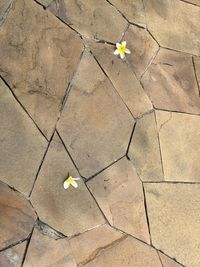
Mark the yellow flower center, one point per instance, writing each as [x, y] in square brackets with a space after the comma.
[70, 180]
[122, 49]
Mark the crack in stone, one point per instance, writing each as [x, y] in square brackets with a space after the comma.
[5, 13]
[161, 126]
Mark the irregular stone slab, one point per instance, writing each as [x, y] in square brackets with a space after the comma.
[180, 145]
[173, 211]
[143, 49]
[171, 84]
[87, 245]
[47, 60]
[90, 121]
[167, 262]
[45, 251]
[92, 18]
[119, 193]
[13, 256]
[17, 217]
[183, 18]
[128, 252]
[144, 151]
[68, 211]
[123, 79]
[21, 144]
[132, 10]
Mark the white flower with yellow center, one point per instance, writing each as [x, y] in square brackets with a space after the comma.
[71, 181]
[121, 50]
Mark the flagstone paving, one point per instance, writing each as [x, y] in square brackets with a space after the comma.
[129, 129]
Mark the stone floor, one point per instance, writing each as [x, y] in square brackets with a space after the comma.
[129, 128]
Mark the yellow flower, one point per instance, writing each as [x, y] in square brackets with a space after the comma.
[121, 50]
[71, 181]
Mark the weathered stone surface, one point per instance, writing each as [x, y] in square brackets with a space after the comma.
[17, 217]
[45, 251]
[119, 193]
[195, 2]
[132, 10]
[173, 211]
[5, 6]
[171, 83]
[197, 69]
[123, 79]
[87, 245]
[13, 256]
[45, 3]
[38, 66]
[167, 262]
[92, 18]
[144, 149]
[172, 21]
[95, 124]
[180, 145]
[129, 252]
[143, 49]
[21, 144]
[68, 211]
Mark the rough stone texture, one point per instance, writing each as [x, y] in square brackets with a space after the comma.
[173, 211]
[171, 83]
[167, 262]
[197, 69]
[45, 3]
[13, 256]
[129, 252]
[21, 144]
[143, 49]
[180, 145]
[195, 2]
[172, 21]
[132, 10]
[95, 124]
[5, 6]
[123, 79]
[38, 66]
[45, 252]
[119, 193]
[17, 217]
[92, 242]
[92, 18]
[68, 211]
[144, 149]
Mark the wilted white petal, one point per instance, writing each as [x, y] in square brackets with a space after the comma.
[118, 45]
[116, 52]
[66, 185]
[74, 184]
[124, 43]
[127, 51]
[122, 55]
[76, 179]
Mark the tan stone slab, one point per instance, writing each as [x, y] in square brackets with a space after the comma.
[123, 79]
[173, 211]
[127, 253]
[197, 69]
[144, 151]
[180, 145]
[95, 124]
[132, 10]
[119, 193]
[68, 211]
[168, 262]
[92, 18]
[171, 84]
[13, 256]
[39, 66]
[87, 245]
[143, 49]
[45, 251]
[21, 144]
[17, 217]
[174, 24]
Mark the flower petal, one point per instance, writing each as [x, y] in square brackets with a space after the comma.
[74, 184]
[118, 45]
[66, 185]
[76, 179]
[116, 52]
[124, 43]
[127, 51]
[122, 55]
